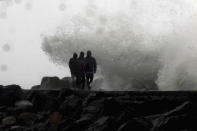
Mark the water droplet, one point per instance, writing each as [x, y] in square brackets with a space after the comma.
[99, 30]
[3, 67]
[62, 7]
[18, 1]
[103, 19]
[6, 47]
[3, 15]
[12, 30]
[28, 6]
[9, 3]
[90, 11]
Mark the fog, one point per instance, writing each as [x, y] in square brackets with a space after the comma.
[139, 45]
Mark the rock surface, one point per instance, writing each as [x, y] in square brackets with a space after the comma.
[69, 109]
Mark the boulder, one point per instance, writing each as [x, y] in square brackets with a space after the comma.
[10, 94]
[53, 83]
[17, 128]
[112, 107]
[27, 118]
[104, 123]
[38, 101]
[7, 121]
[81, 124]
[182, 117]
[35, 87]
[64, 93]
[72, 104]
[23, 104]
[55, 118]
[136, 124]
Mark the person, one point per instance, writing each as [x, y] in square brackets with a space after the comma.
[81, 71]
[73, 62]
[90, 68]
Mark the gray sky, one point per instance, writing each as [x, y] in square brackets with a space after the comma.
[23, 23]
[21, 59]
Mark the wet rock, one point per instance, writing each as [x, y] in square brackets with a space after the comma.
[51, 104]
[27, 118]
[72, 104]
[3, 108]
[136, 124]
[35, 87]
[53, 83]
[81, 124]
[23, 106]
[10, 120]
[40, 127]
[39, 101]
[55, 118]
[103, 124]
[17, 128]
[10, 94]
[64, 93]
[111, 107]
[182, 117]
[91, 109]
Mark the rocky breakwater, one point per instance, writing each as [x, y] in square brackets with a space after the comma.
[70, 109]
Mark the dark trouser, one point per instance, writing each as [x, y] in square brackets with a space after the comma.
[73, 76]
[89, 78]
[81, 80]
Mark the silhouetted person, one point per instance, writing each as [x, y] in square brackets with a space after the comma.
[73, 63]
[90, 68]
[81, 71]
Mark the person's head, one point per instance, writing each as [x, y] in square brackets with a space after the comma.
[81, 54]
[74, 55]
[89, 53]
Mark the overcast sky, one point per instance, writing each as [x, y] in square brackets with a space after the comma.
[23, 23]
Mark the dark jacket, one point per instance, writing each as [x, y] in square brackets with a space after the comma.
[91, 64]
[73, 63]
[81, 65]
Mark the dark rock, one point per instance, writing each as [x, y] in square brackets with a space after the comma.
[53, 83]
[13, 88]
[80, 124]
[10, 94]
[27, 118]
[23, 106]
[38, 101]
[17, 128]
[35, 87]
[40, 118]
[42, 101]
[40, 127]
[179, 118]
[72, 104]
[136, 124]
[55, 118]
[65, 93]
[111, 107]
[103, 124]
[51, 104]
[3, 108]
[10, 120]
[91, 109]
